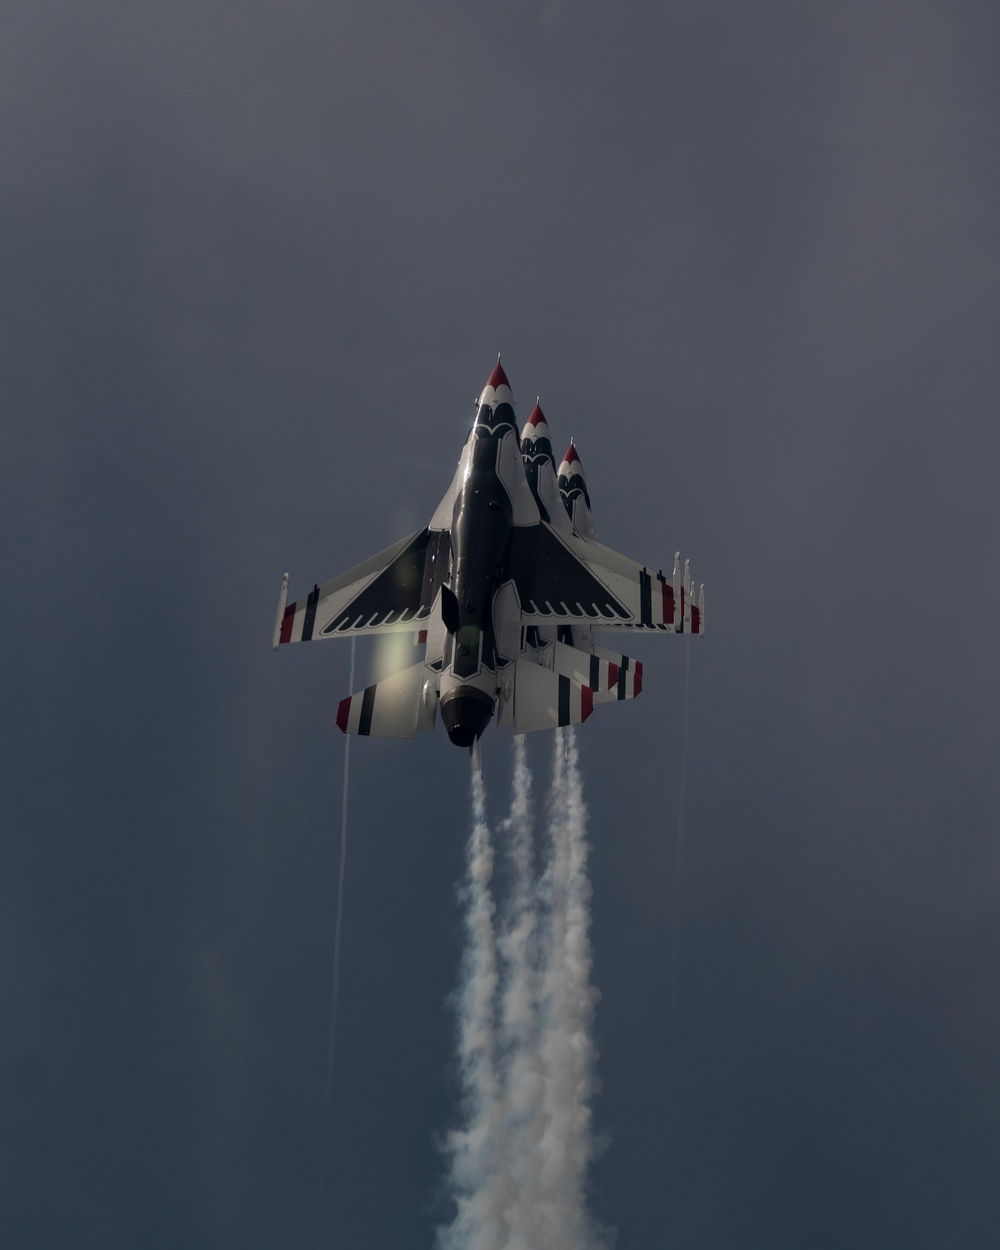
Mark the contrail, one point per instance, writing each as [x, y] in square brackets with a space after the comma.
[675, 945]
[336, 973]
[478, 1172]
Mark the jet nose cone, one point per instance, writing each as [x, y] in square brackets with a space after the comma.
[536, 417]
[573, 488]
[536, 427]
[571, 464]
[498, 378]
[496, 403]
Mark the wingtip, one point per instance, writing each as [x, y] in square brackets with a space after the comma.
[279, 618]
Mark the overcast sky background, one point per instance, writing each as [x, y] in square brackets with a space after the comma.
[258, 260]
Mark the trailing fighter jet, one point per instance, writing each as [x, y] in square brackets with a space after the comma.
[504, 589]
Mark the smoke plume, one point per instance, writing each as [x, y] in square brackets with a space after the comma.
[518, 1168]
[476, 1154]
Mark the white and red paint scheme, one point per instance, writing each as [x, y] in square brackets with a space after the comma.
[504, 589]
[573, 489]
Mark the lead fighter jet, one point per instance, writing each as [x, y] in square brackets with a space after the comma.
[505, 589]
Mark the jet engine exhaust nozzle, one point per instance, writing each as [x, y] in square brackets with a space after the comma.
[466, 711]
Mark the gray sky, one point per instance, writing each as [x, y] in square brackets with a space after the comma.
[257, 263]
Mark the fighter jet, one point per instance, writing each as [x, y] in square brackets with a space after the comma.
[504, 590]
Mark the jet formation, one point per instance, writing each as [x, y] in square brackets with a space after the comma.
[504, 589]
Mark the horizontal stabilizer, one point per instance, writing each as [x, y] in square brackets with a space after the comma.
[609, 675]
[395, 707]
[623, 678]
[541, 698]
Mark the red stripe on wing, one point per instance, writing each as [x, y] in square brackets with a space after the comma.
[287, 621]
[668, 604]
[586, 702]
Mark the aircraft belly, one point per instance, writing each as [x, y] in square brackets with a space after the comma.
[506, 589]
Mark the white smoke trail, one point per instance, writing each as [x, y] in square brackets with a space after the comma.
[518, 1169]
[568, 1056]
[479, 1177]
[523, 1074]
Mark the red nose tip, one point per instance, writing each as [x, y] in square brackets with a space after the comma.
[498, 377]
[571, 455]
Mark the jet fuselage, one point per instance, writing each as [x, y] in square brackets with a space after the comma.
[480, 530]
[504, 589]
